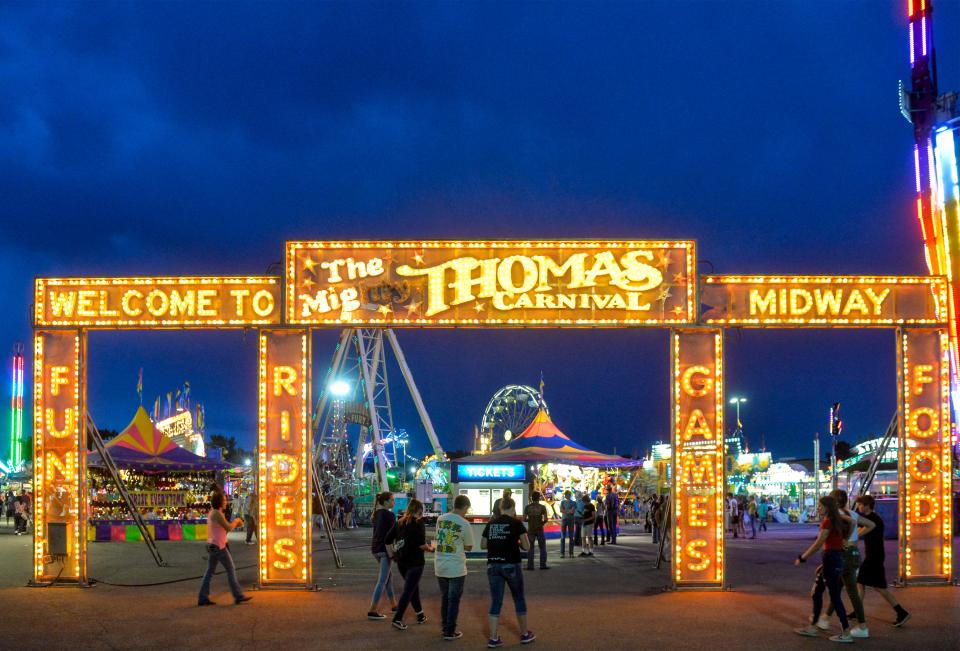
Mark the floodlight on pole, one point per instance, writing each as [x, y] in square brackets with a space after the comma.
[339, 388]
[737, 400]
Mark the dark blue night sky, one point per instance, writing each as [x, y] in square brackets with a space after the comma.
[195, 138]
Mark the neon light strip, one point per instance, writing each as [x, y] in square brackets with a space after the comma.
[923, 34]
[13, 413]
[913, 56]
[916, 165]
[910, 8]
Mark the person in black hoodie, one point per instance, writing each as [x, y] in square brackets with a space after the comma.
[410, 541]
[383, 523]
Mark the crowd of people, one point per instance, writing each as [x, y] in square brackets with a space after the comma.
[747, 511]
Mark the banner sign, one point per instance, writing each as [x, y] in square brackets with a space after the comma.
[159, 498]
[117, 303]
[860, 301]
[926, 534]
[489, 472]
[60, 457]
[562, 284]
[698, 457]
[284, 444]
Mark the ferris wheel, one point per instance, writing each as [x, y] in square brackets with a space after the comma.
[510, 411]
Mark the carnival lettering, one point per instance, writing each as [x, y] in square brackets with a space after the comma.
[520, 281]
[160, 303]
[798, 301]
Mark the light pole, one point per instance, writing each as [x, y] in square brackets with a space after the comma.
[737, 400]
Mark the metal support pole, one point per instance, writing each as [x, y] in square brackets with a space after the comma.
[415, 393]
[368, 388]
[338, 357]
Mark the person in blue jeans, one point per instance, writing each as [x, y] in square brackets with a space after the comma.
[504, 537]
[219, 552]
[384, 522]
[834, 531]
[567, 521]
[577, 523]
[454, 540]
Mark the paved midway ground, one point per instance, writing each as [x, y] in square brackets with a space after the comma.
[612, 601]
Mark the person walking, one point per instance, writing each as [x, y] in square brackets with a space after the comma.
[834, 530]
[384, 522]
[567, 522]
[409, 545]
[218, 551]
[762, 509]
[851, 566]
[600, 522]
[752, 516]
[656, 517]
[872, 573]
[504, 538]
[613, 510]
[535, 515]
[577, 522]
[732, 514]
[251, 509]
[349, 509]
[454, 540]
[589, 518]
[20, 516]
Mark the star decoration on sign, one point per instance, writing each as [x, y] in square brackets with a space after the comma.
[309, 264]
[663, 260]
[679, 280]
[385, 310]
[308, 283]
[679, 312]
[478, 307]
[418, 257]
[413, 306]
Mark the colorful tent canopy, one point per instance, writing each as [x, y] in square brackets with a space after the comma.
[543, 442]
[141, 446]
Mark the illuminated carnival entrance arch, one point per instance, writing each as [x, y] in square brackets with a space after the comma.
[491, 284]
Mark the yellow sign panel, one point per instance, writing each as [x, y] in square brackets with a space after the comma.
[59, 448]
[157, 302]
[860, 301]
[558, 283]
[926, 534]
[698, 457]
[283, 469]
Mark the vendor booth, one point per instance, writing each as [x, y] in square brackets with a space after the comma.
[168, 484]
[534, 460]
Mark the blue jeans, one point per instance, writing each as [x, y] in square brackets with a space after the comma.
[829, 577]
[411, 590]
[450, 592]
[537, 537]
[216, 555]
[566, 531]
[509, 574]
[384, 578]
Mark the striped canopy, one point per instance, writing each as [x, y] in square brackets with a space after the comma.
[543, 442]
[141, 446]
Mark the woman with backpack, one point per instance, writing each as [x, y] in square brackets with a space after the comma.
[834, 530]
[409, 543]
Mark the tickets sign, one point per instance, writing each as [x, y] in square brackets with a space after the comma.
[605, 283]
[157, 302]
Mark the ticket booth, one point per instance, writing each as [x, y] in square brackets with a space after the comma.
[484, 484]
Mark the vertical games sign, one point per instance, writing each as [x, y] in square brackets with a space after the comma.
[283, 470]
[925, 462]
[698, 457]
[59, 457]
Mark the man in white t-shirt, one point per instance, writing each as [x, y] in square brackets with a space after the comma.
[733, 512]
[454, 540]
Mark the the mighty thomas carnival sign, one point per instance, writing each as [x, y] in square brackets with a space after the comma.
[491, 284]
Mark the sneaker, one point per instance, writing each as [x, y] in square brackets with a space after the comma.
[455, 635]
[400, 626]
[421, 618]
[375, 616]
[807, 631]
[590, 554]
[842, 638]
[823, 623]
[545, 567]
[860, 631]
[493, 644]
[250, 542]
[582, 554]
[244, 599]
[902, 617]
[207, 603]
[527, 637]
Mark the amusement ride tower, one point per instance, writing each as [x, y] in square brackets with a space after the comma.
[936, 133]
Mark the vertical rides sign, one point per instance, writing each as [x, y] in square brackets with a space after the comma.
[283, 468]
[925, 462]
[59, 457]
[698, 454]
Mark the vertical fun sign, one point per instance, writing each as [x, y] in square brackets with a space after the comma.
[283, 471]
[925, 462]
[60, 459]
[698, 479]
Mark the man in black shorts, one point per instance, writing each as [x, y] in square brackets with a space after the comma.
[872, 573]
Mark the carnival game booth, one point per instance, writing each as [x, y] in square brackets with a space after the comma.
[541, 458]
[169, 484]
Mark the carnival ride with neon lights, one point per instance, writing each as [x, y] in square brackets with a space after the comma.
[936, 132]
[356, 390]
[510, 411]
[16, 409]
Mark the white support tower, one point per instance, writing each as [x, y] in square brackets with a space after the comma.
[359, 371]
